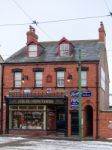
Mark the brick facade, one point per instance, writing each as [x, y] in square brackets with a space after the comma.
[92, 105]
[50, 69]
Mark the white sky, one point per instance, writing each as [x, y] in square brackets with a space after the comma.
[12, 38]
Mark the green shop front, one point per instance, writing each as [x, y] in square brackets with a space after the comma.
[36, 115]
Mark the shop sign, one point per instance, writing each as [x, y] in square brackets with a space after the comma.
[74, 103]
[75, 93]
[86, 94]
[35, 101]
[27, 91]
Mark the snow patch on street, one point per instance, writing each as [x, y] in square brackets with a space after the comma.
[9, 139]
[49, 144]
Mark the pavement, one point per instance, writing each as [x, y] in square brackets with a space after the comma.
[48, 142]
[27, 138]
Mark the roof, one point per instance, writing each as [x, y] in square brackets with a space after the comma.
[90, 51]
[1, 60]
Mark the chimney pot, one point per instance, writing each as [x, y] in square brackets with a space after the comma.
[102, 33]
[31, 36]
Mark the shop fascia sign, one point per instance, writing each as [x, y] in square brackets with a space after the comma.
[75, 93]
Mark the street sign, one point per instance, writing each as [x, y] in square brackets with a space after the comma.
[75, 93]
[74, 103]
[86, 94]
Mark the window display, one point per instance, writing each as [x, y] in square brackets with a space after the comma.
[40, 117]
[27, 120]
[51, 118]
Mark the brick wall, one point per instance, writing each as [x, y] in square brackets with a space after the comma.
[49, 69]
[105, 124]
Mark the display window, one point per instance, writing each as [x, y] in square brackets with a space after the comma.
[26, 118]
[40, 117]
[51, 118]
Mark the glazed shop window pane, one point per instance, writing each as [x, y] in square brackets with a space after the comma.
[51, 118]
[27, 120]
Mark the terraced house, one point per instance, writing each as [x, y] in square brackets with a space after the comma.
[41, 88]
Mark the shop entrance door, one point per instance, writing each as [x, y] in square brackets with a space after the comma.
[60, 119]
[74, 123]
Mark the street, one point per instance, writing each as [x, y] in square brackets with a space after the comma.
[19, 143]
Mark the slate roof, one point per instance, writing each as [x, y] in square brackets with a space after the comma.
[90, 51]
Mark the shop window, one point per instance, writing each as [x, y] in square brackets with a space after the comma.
[27, 120]
[17, 79]
[60, 78]
[51, 118]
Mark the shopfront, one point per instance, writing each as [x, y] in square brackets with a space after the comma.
[40, 114]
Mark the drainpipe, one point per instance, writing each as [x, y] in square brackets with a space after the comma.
[97, 98]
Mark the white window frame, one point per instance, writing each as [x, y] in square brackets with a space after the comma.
[17, 79]
[38, 79]
[32, 50]
[83, 78]
[64, 49]
[60, 78]
[103, 79]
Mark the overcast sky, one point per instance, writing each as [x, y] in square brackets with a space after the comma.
[12, 38]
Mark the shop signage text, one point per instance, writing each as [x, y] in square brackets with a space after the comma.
[75, 93]
[35, 101]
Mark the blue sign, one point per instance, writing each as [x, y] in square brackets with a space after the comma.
[86, 94]
[83, 94]
[74, 93]
[74, 103]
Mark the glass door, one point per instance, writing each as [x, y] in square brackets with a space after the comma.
[74, 123]
[60, 119]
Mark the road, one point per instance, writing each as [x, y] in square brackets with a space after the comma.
[11, 143]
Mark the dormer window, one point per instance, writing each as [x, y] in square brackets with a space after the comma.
[32, 50]
[64, 49]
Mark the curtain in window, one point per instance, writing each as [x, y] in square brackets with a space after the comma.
[17, 79]
[60, 79]
[38, 78]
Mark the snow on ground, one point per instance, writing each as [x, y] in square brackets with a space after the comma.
[9, 139]
[47, 144]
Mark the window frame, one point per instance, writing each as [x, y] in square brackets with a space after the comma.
[63, 51]
[103, 79]
[58, 79]
[17, 80]
[83, 78]
[37, 72]
[32, 53]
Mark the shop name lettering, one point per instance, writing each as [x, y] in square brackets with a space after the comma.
[28, 101]
[83, 93]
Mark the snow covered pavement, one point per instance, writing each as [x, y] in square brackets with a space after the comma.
[19, 143]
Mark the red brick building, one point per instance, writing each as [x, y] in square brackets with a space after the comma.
[40, 88]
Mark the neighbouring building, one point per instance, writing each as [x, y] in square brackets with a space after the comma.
[1, 61]
[40, 88]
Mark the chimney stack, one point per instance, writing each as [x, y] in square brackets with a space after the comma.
[31, 36]
[102, 33]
